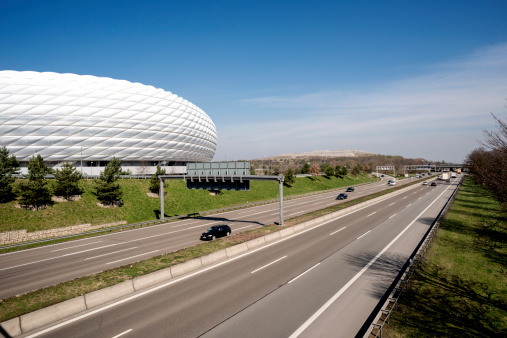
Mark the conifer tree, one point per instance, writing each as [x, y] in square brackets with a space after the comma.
[9, 166]
[290, 179]
[107, 189]
[35, 192]
[67, 181]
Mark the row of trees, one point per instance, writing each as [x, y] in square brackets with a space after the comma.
[488, 164]
[36, 193]
[367, 163]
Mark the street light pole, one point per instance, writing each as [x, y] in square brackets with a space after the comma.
[81, 160]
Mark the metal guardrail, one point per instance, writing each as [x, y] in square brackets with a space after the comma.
[405, 275]
[167, 219]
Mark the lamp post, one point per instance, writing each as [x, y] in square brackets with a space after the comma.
[91, 169]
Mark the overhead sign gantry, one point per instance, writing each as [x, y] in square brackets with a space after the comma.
[220, 176]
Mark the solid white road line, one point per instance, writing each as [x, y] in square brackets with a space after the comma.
[123, 259]
[121, 334]
[265, 266]
[336, 231]
[76, 246]
[248, 226]
[293, 279]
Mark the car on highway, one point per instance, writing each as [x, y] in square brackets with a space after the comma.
[425, 183]
[433, 184]
[342, 196]
[216, 231]
[391, 182]
[350, 189]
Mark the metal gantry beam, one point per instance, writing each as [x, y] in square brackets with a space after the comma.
[222, 178]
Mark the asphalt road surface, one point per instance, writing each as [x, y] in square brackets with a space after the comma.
[324, 281]
[32, 269]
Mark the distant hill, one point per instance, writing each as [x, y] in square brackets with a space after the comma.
[324, 153]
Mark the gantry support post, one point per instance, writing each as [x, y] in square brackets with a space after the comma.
[161, 181]
[280, 193]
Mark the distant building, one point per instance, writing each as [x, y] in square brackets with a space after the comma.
[88, 119]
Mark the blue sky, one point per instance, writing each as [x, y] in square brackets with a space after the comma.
[410, 78]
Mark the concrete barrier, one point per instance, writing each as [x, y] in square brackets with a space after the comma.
[152, 279]
[100, 297]
[39, 318]
[286, 232]
[214, 257]
[12, 327]
[186, 267]
[299, 227]
[236, 250]
[256, 242]
[272, 237]
[309, 224]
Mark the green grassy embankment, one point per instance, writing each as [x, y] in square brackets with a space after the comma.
[138, 206]
[460, 290]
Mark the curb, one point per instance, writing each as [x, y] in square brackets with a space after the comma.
[40, 318]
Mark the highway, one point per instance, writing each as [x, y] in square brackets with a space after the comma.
[32, 269]
[324, 281]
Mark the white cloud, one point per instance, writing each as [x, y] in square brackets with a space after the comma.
[438, 116]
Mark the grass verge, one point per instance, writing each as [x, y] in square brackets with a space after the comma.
[35, 300]
[460, 288]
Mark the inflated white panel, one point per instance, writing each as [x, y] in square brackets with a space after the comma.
[104, 116]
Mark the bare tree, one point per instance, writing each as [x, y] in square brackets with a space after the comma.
[496, 140]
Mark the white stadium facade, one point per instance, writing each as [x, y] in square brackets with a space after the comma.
[88, 120]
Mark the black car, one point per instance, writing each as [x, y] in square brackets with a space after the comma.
[216, 231]
[433, 184]
[350, 189]
[342, 196]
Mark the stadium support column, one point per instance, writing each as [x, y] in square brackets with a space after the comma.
[280, 192]
[161, 191]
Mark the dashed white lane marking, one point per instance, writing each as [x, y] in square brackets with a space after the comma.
[293, 279]
[373, 213]
[69, 254]
[75, 246]
[408, 205]
[391, 204]
[124, 259]
[392, 216]
[337, 231]
[364, 234]
[265, 266]
[121, 334]
[110, 253]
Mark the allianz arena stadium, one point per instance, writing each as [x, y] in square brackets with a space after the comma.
[88, 120]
